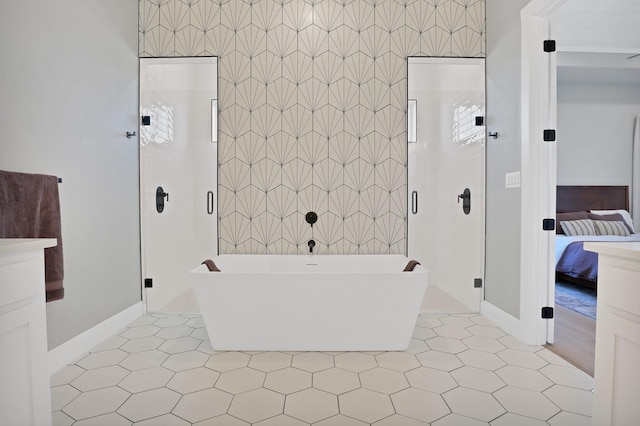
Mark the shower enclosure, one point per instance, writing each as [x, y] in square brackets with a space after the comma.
[446, 173]
[178, 158]
[178, 175]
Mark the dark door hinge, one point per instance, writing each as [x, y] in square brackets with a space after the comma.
[549, 135]
[548, 224]
[547, 312]
[549, 45]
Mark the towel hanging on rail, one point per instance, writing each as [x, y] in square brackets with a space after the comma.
[30, 208]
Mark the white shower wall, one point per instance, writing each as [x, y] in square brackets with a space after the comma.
[177, 153]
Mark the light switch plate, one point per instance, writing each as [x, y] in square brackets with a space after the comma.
[512, 180]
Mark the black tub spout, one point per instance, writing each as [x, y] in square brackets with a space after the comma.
[311, 244]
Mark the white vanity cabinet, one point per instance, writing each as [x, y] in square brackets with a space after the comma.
[25, 397]
[617, 375]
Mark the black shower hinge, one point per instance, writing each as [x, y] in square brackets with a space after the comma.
[148, 283]
[549, 45]
[549, 135]
[548, 224]
[547, 312]
[477, 283]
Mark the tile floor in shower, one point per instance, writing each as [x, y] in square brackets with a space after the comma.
[459, 370]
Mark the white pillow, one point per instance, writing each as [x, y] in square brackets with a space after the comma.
[578, 227]
[610, 227]
[625, 215]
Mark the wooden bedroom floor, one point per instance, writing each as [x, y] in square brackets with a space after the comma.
[574, 339]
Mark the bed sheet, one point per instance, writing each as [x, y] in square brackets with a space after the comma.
[562, 241]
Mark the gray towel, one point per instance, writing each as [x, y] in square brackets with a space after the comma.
[30, 208]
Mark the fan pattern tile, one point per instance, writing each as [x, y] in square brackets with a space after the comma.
[312, 110]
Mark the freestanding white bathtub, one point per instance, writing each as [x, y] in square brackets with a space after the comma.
[310, 303]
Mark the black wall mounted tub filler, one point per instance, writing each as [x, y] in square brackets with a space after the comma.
[311, 218]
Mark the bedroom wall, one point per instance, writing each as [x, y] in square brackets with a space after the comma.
[502, 269]
[595, 131]
[69, 92]
[312, 111]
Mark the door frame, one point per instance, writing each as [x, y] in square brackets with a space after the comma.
[539, 172]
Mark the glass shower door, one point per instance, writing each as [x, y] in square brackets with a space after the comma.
[446, 174]
[178, 176]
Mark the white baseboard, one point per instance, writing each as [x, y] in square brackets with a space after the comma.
[507, 323]
[82, 343]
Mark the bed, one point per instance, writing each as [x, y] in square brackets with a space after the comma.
[589, 213]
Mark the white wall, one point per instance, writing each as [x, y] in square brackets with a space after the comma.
[595, 132]
[502, 270]
[68, 94]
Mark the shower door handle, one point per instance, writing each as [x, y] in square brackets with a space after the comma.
[160, 196]
[209, 202]
[466, 200]
[414, 202]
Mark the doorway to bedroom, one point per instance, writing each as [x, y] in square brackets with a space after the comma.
[574, 30]
[590, 175]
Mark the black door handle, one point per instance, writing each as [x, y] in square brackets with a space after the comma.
[209, 202]
[160, 196]
[414, 202]
[466, 200]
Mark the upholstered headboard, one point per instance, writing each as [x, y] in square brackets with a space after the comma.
[585, 198]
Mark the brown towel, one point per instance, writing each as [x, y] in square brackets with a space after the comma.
[30, 208]
[212, 266]
[412, 264]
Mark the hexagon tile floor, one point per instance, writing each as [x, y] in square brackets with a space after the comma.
[459, 370]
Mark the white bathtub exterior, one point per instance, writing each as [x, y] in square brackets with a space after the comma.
[310, 303]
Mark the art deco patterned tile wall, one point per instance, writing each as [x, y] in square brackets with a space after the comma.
[312, 110]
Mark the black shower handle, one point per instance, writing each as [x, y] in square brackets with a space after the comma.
[160, 196]
[466, 200]
[209, 202]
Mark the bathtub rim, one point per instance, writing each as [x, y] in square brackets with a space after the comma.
[419, 268]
